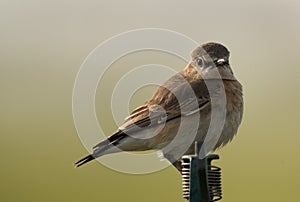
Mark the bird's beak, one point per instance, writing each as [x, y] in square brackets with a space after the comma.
[221, 61]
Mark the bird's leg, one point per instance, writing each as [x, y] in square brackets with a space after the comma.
[177, 165]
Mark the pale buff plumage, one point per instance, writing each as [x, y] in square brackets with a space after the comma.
[155, 124]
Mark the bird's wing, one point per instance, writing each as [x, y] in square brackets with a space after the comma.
[174, 99]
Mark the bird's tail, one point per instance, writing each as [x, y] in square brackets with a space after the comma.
[84, 160]
[98, 151]
[104, 147]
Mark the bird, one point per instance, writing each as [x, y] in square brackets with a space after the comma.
[183, 103]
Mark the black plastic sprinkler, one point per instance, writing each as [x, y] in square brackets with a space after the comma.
[201, 181]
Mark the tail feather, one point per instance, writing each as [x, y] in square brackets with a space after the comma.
[113, 139]
[96, 153]
[101, 148]
[84, 160]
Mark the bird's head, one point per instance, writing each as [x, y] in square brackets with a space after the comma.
[212, 56]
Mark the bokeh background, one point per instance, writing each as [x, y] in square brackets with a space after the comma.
[43, 44]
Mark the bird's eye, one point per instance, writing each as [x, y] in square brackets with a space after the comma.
[200, 62]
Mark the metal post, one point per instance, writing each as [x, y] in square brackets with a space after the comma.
[201, 181]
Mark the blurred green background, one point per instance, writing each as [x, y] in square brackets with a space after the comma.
[43, 44]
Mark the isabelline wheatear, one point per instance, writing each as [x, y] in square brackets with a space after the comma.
[183, 103]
